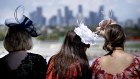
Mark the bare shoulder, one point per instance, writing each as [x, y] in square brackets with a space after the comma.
[116, 63]
[108, 59]
[128, 56]
[104, 60]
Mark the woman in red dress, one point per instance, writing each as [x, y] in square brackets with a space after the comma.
[71, 62]
[117, 63]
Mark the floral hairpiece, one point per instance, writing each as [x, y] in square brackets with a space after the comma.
[86, 35]
[107, 20]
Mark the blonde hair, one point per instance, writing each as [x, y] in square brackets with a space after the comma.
[17, 40]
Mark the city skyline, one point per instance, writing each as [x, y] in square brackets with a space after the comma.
[69, 19]
[126, 9]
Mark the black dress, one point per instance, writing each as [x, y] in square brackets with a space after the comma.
[33, 66]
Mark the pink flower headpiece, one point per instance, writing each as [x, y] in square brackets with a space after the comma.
[107, 20]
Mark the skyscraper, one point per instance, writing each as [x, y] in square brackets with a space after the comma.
[80, 9]
[68, 15]
[100, 15]
[92, 18]
[53, 21]
[114, 17]
[59, 18]
[79, 15]
[138, 22]
[37, 17]
[129, 23]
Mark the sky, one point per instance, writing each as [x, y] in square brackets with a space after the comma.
[123, 9]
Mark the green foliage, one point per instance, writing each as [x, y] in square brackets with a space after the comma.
[42, 38]
[3, 31]
[1, 36]
[58, 33]
[132, 32]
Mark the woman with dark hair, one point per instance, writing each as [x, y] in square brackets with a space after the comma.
[117, 63]
[71, 62]
[20, 64]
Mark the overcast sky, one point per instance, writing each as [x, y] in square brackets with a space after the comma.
[123, 9]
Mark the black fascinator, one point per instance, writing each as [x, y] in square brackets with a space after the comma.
[22, 22]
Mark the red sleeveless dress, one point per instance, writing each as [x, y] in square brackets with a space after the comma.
[131, 72]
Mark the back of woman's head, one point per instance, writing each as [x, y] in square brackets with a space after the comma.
[72, 51]
[114, 37]
[17, 39]
[72, 45]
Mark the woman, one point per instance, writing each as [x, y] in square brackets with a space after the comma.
[71, 62]
[20, 64]
[117, 63]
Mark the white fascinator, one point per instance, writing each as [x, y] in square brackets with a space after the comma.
[86, 35]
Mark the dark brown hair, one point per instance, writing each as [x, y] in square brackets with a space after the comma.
[17, 40]
[71, 53]
[114, 37]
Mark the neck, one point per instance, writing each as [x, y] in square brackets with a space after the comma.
[17, 51]
[118, 51]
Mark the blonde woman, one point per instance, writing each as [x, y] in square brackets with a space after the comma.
[19, 63]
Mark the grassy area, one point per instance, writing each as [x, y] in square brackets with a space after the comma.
[133, 45]
[58, 33]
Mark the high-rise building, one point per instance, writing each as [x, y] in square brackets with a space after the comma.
[68, 15]
[59, 18]
[79, 15]
[100, 15]
[87, 21]
[37, 17]
[80, 9]
[92, 18]
[138, 22]
[53, 21]
[129, 23]
[114, 17]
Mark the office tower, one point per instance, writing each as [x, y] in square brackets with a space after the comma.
[100, 15]
[92, 19]
[129, 23]
[37, 17]
[53, 21]
[68, 15]
[59, 18]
